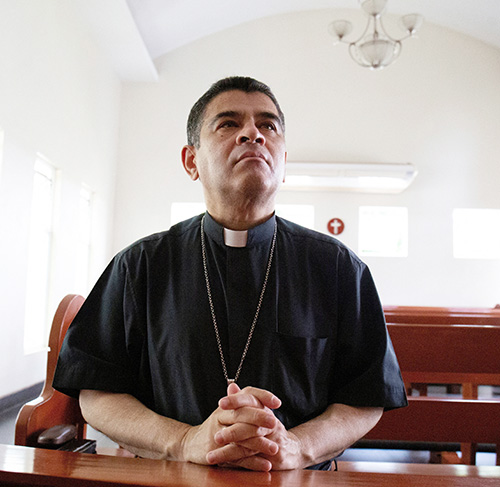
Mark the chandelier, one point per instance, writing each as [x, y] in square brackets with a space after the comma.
[375, 48]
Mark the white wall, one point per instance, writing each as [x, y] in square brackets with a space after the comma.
[437, 107]
[58, 97]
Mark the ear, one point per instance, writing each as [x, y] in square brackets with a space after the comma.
[188, 155]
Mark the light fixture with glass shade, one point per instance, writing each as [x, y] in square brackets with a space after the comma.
[375, 48]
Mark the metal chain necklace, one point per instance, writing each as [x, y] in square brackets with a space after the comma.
[212, 309]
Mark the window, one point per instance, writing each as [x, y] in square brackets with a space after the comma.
[84, 239]
[40, 256]
[383, 231]
[476, 233]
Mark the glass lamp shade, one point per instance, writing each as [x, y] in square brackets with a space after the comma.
[373, 7]
[339, 29]
[412, 22]
[375, 53]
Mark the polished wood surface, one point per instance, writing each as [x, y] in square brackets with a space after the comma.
[51, 407]
[36, 467]
[428, 469]
[444, 354]
[434, 315]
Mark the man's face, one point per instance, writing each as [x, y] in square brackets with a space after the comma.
[242, 148]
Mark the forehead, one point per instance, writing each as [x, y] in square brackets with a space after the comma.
[238, 101]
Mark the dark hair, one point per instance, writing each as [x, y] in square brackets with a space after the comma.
[241, 83]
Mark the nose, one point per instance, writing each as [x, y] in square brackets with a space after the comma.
[250, 133]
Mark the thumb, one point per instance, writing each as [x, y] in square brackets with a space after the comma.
[233, 388]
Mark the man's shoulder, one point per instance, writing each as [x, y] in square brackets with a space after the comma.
[176, 235]
[314, 243]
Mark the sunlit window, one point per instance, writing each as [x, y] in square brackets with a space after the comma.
[301, 214]
[383, 231]
[84, 247]
[40, 256]
[476, 233]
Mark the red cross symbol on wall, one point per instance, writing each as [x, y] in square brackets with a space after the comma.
[335, 226]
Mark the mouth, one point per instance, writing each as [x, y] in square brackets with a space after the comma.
[252, 155]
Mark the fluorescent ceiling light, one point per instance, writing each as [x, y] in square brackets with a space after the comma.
[345, 176]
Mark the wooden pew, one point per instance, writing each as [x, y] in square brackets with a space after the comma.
[52, 407]
[431, 315]
[445, 354]
[442, 420]
[435, 315]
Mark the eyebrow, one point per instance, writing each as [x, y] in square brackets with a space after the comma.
[226, 114]
[235, 114]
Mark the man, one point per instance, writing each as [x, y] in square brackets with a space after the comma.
[235, 338]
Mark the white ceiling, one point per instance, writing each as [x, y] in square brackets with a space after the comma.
[135, 32]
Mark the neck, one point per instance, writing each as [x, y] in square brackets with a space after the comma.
[235, 218]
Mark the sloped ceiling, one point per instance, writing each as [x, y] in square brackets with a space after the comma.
[136, 32]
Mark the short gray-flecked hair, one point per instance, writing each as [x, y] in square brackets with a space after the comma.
[241, 83]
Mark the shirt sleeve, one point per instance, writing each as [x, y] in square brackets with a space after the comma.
[102, 344]
[366, 370]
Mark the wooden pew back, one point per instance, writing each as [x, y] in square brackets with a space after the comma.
[444, 354]
[431, 315]
[447, 354]
[455, 351]
[51, 407]
[442, 420]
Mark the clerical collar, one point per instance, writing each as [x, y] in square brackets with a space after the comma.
[235, 238]
[247, 238]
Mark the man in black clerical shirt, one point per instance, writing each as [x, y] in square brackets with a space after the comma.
[234, 338]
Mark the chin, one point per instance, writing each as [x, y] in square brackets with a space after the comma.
[254, 188]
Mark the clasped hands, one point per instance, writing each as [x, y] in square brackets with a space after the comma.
[244, 432]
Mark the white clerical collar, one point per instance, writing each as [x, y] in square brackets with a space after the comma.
[235, 238]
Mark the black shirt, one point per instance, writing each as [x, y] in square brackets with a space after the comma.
[146, 327]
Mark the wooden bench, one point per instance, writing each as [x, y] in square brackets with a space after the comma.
[434, 315]
[443, 420]
[442, 354]
[52, 407]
